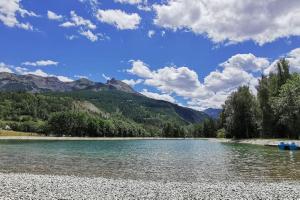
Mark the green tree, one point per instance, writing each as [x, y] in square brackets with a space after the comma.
[267, 116]
[240, 112]
[287, 106]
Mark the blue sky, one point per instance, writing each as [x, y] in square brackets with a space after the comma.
[194, 53]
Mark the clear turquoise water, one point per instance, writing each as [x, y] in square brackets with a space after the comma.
[165, 160]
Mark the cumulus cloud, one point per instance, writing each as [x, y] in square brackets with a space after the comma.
[39, 72]
[89, 35]
[247, 62]
[229, 79]
[40, 63]
[238, 70]
[157, 96]
[132, 82]
[119, 19]
[140, 69]
[78, 21]
[293, 57]
[182, 81]
[233, 20]
[5, 68]
[53, 16]
[10, 10]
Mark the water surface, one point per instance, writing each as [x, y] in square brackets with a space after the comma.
[164, 160]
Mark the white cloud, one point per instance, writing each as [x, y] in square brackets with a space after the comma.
[5, 68]
[293, 57]
[40, 63]
[93, 3]
[89, 35]
[63, 78]
[238, 70]
[106, 77]
[157, 96]
[67, 24]
[181, 81]
[80, 76]
[151, 33]
[140, 69]
[78, 21]
[119, 19]
[215, 100]
[247, 62]
[144, 7]
[39, 72]
[53, 16]
[132, 82]
[129, 1]
[232, 20]
[229, 79]
[9, 9]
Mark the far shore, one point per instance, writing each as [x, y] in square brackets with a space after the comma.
[257, 141]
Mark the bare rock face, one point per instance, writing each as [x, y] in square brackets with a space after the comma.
[36, 84]
[119, 85]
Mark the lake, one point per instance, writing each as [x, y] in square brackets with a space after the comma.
[163, 160]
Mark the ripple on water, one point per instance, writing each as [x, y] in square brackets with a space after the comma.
[164, 160]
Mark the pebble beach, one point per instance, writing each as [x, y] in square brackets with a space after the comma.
[28, 186]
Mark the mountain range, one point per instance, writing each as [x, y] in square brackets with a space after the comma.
[36, 84]
[109, 97]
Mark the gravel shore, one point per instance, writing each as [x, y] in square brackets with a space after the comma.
[27, 186]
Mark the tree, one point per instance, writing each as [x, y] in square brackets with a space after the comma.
[287, 106]
[240, 112]
[283, 72]
[267, 116]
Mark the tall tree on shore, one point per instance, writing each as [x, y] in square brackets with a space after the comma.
[287, 106]
[240, 112]
[267, 116]
[283, 72]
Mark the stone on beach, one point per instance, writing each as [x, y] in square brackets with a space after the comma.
[27, 186]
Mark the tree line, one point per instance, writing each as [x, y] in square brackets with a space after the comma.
[273, 113]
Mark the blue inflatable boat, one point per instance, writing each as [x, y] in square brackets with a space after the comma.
[288, 146]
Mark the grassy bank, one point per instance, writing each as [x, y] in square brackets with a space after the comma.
[16, 133]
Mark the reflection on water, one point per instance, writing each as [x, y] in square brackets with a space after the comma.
[166, 160]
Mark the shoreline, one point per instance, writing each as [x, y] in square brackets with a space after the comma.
[28, 186]
[257, 141]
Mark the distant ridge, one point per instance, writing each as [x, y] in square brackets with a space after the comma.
[35, 84]
[213, 112]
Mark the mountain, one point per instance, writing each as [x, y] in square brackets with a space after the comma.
[112, 98]
[36, 84]
[213, 112]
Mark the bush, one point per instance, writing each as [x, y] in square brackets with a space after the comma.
[221, 133]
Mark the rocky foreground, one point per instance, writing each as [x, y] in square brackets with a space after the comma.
[26, 186]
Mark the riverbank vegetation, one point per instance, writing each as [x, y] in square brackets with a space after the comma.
[273, 113]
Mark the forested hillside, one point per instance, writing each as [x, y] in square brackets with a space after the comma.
[90, 113]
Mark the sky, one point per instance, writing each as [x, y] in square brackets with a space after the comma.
[190, 52]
